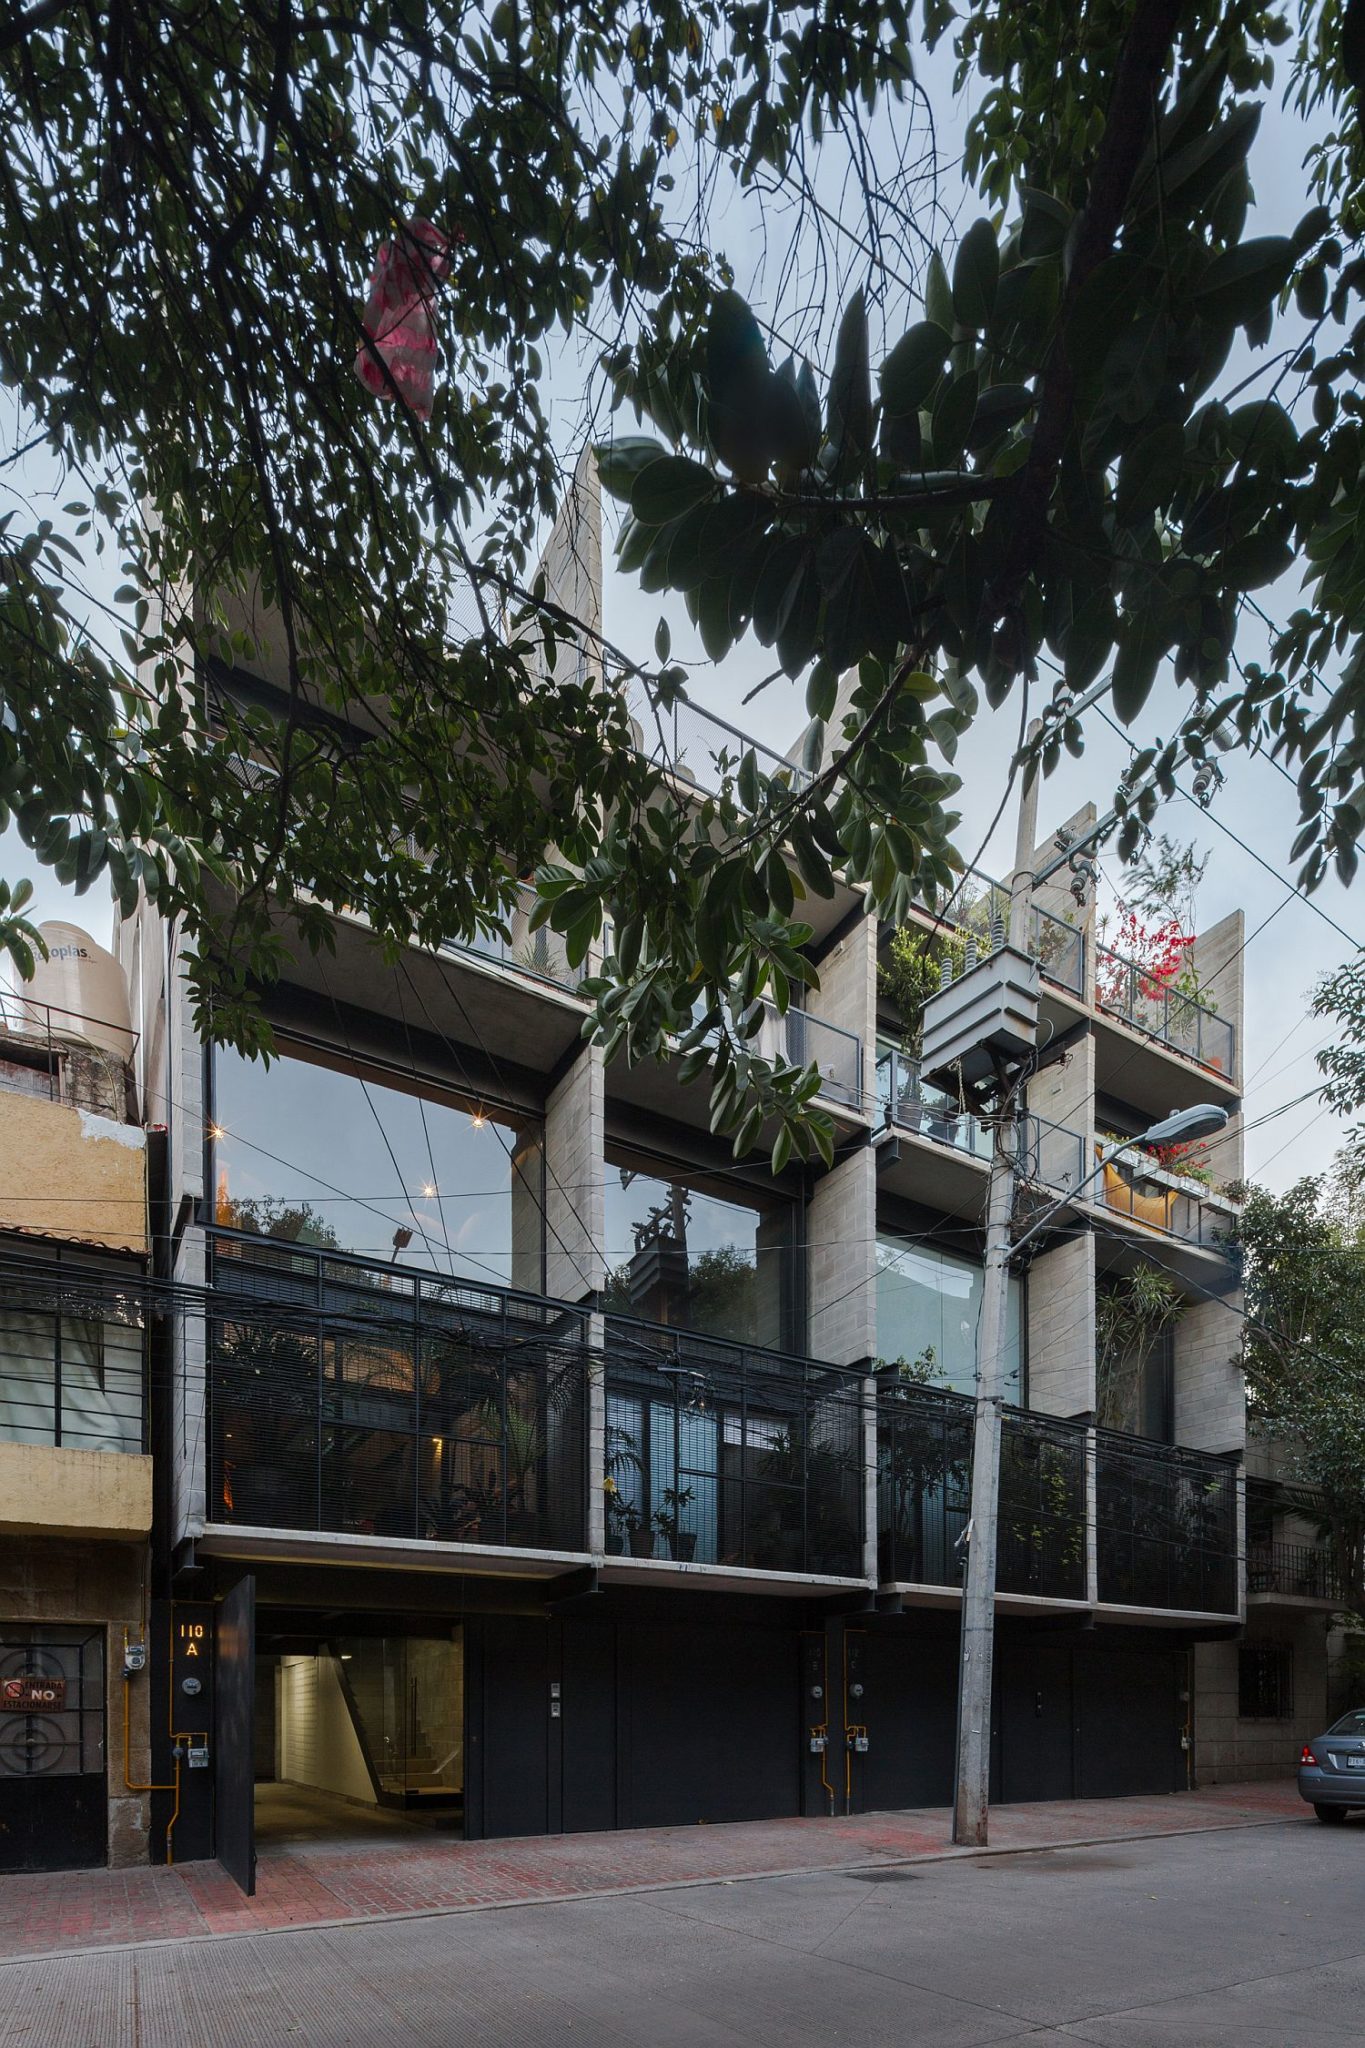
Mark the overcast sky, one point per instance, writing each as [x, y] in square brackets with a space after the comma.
[1301, 940]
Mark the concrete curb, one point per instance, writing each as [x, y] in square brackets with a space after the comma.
[671, 1884]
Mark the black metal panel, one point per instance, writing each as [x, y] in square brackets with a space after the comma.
[710, 1720]
[53, 1823]
[1130, 1719]
[234, 1744]
[588, 1678]
[1035, 1720]
[909, 1706]
[513, 1750]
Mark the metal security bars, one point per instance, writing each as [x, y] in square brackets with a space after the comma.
[1305, 1571]
[924, 1459]
[1166, 1526]
[1149, 1004]
[726, 1454]
[368, 1400]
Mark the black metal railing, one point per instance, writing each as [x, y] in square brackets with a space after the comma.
[1166, 1526]
[915, 1105]
[1059, 949]
[729, 1454]
[1306, 1570]
[1149, 1004]
[924, 1474]
[373, 1400]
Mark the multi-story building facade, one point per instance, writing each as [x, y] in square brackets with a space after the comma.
[538, 1466]
[75, 1476]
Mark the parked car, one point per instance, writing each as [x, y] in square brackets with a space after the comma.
[1332, 1768]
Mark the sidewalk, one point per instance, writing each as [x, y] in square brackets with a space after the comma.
[316, 1884]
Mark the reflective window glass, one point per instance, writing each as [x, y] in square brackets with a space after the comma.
[929, 1311]
[315, 1156]
[681, 1254]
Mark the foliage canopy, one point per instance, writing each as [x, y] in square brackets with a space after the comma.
[1054, 462]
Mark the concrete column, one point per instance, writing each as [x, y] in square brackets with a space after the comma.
[575, 1186]
[847, 996]
[841, 1266]
[596, 1470]
[1210, 1396]
[1061, 1327]
[1092, 1518]
[1219, 961]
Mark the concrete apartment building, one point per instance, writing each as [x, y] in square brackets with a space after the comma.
[75, 1477]
[529, 1465]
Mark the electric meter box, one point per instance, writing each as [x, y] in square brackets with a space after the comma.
[988, 1014]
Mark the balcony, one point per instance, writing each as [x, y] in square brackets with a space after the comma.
[1058, 947]
[1300, 1571]
[1144, 1193]
[1050, 1154]
[692, 744]
[924, 1461]
[539, 954]
[1131, 993]
[914, 1105]
[1166, 1526]
[365, 1400]
[725, 1454]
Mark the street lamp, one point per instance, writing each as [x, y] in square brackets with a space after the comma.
[1182, 1127]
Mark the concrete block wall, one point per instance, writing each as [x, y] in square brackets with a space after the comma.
[841, 1268]
[575, 1180]
[847, 995]
[1061, 1329]
[1210, 1399]
[1064, 1093]
[1228, 1749]
[1219, 961]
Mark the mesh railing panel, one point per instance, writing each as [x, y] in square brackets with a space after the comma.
[1166, 1527]
[728, 1454]
[369, 1401]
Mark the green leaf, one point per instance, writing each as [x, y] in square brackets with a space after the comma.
[999, 409]
[665, 489]
[938, 296]
[850, 390]
[1150, 472]
[976, 273]
[619, 462]
[1141, 650]
[953, 416]
[1239, 285]
[913, 367]
[1259, 559]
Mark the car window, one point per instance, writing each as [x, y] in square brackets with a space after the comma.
[1349, 1724]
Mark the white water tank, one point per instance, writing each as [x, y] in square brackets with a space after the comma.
[81, 991]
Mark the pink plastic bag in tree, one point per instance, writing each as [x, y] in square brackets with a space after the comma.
[401, 335]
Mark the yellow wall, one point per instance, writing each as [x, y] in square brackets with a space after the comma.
[45, 1491]
[69, 1174]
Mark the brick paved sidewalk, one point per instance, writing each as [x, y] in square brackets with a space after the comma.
[299, 1887]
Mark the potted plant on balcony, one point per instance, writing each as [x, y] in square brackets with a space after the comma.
[627, 1529]
[682, 1543]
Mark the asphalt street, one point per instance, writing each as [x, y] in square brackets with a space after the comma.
[1252, 1936]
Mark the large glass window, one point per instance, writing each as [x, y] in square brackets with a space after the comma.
[680, 1252]
[316, 1156]
[929, 1312]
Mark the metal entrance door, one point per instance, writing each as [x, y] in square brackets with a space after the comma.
[234, 1734]
[53, 1794]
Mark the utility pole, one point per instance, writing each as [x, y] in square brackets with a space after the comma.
[971, 1799]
